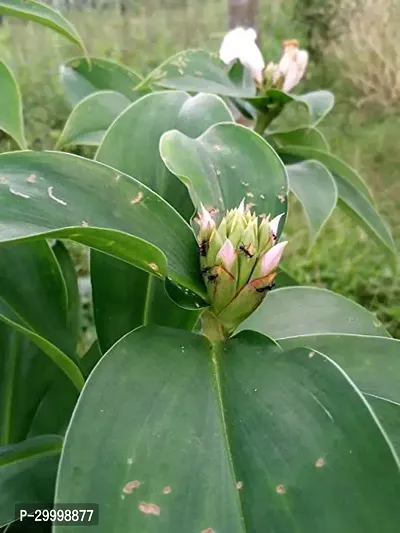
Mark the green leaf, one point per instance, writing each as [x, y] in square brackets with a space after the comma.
[226, 164]
[27, 473]
[32, 285]
[388, 414]
[80, 79]
[353, 196]
[315, 188]
[373, 363]
[200, 71]
[131, 146]
[26, 376]
[335, 165]
[196, 71]
[91, 358]
[304, 136]
[161, 454]
[92, 116]
[42, 14]
[72, 290]
[293, 311]
[106, 210]
[11, 119]
[65, 363]
[319, 103]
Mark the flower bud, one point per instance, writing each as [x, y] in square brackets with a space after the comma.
[238, 263]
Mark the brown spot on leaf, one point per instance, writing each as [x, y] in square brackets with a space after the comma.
[218, 147]
[3, 180]
[239, 485]
[319, 463]
[84, 223]
[281, 198]
[31, 178]
[131, 486]
[311, 354]
[117, 177]
[138, 198]
[250, 194]
[167, 490]
[280, 489]
[149, 508]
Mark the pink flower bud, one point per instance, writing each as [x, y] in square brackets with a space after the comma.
[206, 221]
[270, 260]
[274, 224]
[227, 254]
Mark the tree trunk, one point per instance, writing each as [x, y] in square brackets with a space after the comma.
[243, 13]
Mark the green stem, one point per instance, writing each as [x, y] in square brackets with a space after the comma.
[212, 328]
[265, 118]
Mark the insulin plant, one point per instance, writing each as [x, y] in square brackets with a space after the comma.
[219, 397]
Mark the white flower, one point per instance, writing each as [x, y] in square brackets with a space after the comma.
[241, 44]
[292, 65]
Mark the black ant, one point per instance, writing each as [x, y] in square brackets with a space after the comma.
[203, 247]
[212, 278]
[205, 270]
[266, 288]
[245, 250]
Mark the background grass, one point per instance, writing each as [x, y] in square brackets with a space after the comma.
[364, 132]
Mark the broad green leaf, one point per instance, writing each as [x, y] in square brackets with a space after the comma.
[27, 473]
[106, 210]
[80, 79]
[11, 119]
[131, 146]
[373, 363]
[43, 14]
[335, 165]
[63, 361]
[226, 164]
[283, 279]
[315, 188]
[72, 290]
[32, 285]
[388, 414]
[360, 209]
[293, 311]
[132, 143]
[197, 71]
[26, 376]
[92, 116]
[229, 462]
[319, 103]
[322, 438]
[353, 195]
[304, 136]
[200, 71]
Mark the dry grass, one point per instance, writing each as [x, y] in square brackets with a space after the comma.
[367, 48]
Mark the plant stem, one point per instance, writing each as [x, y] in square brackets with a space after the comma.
[212, 328]
[265, 118]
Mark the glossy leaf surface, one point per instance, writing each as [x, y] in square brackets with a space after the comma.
[79, 79]
[315, 188]
[92, 116]
[256, 402]
[294, 311]
[107, 210]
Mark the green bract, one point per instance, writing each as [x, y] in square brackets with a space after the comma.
[206, 407]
